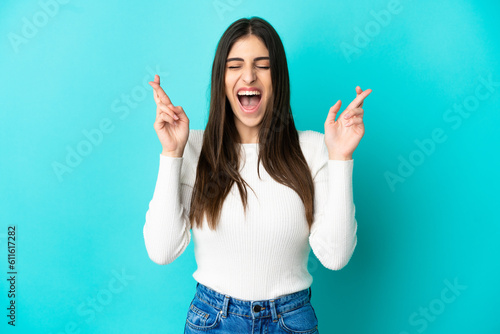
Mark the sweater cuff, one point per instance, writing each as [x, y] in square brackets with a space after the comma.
[170, 165]
[340, 175]
[341, 165]
[169, 174]
[169, 158]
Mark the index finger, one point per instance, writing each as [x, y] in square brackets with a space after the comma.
[163, 97]
[359, 99]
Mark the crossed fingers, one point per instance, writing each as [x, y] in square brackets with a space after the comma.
[162, 100]
[359, 100]
[159, 93]
[354, 111]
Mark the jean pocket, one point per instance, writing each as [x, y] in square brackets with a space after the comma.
[302, 320]
[202, 316]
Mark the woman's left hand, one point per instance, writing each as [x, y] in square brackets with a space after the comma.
[343, 135]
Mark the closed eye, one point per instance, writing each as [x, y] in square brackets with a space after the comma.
[263, 67]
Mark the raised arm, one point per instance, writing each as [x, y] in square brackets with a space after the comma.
[166, 231]
[333, 234]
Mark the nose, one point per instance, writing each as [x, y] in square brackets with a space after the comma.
[248, 75]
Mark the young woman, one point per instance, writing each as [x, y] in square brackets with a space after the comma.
[252, 248]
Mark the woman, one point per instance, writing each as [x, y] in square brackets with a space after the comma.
[252, 255]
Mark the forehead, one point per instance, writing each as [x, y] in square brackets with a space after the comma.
[248, 46]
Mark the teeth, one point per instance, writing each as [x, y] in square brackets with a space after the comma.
[254, 92]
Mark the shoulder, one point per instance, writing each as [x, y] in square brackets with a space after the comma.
[309, 137]
[193, 146]
[314, 148]
[191, 155]
[195, 139]
[311, 141]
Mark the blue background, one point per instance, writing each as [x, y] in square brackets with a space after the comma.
[85, 65]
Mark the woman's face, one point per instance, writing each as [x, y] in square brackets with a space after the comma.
[248, 85]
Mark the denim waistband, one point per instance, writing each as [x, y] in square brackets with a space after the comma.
[252, 308]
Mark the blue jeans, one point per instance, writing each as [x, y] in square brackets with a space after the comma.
[213, 312]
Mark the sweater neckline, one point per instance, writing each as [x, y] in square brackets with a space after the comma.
[251, 150]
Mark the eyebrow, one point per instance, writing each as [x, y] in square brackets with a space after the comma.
[241, 59]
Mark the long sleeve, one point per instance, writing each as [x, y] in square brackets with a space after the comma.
[333, 233]
[166, 231]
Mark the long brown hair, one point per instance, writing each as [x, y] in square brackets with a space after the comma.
[279, 147]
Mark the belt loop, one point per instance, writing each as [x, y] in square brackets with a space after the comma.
[273, 310]
[225, 306]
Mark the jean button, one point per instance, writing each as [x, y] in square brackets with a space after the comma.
[256, 308]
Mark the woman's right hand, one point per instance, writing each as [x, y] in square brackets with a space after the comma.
[171, 124]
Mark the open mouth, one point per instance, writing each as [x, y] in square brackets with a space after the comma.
[249, 100]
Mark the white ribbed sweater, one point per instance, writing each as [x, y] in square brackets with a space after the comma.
[264, 255]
